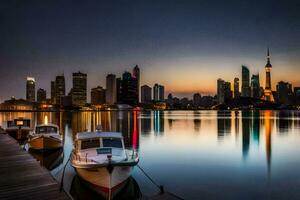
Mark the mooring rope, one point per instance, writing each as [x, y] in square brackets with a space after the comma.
[63, 174]
[160, 187]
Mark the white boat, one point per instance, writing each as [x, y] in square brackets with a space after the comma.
[45, 137]
[101, 160]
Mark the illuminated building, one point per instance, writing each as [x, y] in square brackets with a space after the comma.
[111, 89]
[146, 94]
[16, 104]
[284, 92]
[30, 89]
[246, 91]
[41, 95]
[136, 74]
[79, 90]
[60, 89]
[158, 92]
[268, 94]
[255, 86]
[236, 88]
[97, 96]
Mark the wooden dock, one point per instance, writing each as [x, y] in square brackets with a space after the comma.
[22, 177]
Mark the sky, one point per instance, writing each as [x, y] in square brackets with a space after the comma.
[184, 45]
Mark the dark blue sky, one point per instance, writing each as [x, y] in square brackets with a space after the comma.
[185, 45]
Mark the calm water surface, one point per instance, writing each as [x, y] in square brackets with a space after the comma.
[194, 154]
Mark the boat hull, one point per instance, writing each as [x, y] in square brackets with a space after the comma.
[104, 183]
[45, 143]
[18, 134]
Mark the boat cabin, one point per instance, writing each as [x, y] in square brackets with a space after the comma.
[46, 129]
[18, 122]
[101, 141]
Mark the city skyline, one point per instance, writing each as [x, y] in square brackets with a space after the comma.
[186, 54]
[184, 94]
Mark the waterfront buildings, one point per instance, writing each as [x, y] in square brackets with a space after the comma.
[236, 88]
[227, 91]
[111, 89]
[129, 89]
[284, 92]
[255, 86]
[246, 91]
[41, 95]
[158, 92]
[52, 92]
[220, 91]
[60, 89]
[97, 96]
[16, 104]
[146, 94]
[136, 74]
[79, 90]
[197, 99]
[268, 94]
[30, 89]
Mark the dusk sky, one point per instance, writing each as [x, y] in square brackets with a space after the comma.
[184, 45]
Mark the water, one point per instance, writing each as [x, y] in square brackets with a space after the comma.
[194, 154]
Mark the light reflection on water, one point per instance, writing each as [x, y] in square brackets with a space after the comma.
[195, 154]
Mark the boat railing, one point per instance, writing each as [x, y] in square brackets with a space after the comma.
[132, 154]
[79, 158]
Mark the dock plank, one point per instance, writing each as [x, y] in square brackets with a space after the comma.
[22, 177]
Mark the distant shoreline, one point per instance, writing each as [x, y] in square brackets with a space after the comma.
[113, 110]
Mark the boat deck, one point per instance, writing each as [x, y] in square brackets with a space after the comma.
[22, 177]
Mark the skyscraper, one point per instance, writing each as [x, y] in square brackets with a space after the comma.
[136, 74]
[236, 88]
[246, 91]
[220, 91]
[161, 93]
[255, 86]
[30, 89]
[60, 89]
[146, 94]
[111, 89]
[53, 92]
[41, 95]
[268, 94]
[284, 92]
[79, 90]
[158, 92]
[227, 92]
[97, 96]
[129, 91]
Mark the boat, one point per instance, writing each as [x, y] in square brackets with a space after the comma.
[101, 160]
[19, 128]
[78, 190]
[45, 137]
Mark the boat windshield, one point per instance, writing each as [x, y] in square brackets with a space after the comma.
[112, 142]
[46, 129]
[91, 143]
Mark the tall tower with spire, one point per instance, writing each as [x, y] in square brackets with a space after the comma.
[268, 95]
